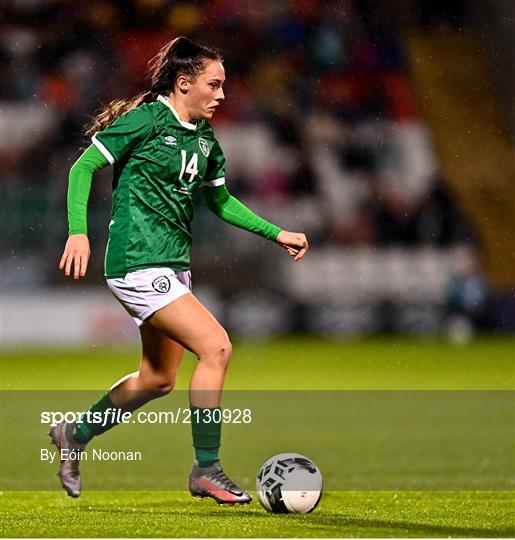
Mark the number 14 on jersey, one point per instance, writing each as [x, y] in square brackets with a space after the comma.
[191, 168]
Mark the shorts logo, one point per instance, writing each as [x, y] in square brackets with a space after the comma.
[204, 146]
[161, 284]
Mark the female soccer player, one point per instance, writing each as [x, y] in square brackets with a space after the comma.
[162, 147]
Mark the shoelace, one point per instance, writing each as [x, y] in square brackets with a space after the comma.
[224, 481]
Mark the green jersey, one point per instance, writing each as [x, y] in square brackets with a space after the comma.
[158, 161]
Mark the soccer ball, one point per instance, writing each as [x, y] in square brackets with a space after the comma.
[289, 483]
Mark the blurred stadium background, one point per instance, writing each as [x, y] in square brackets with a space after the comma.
[384, 129]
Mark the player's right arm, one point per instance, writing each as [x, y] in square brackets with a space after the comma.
[77, 251]
[111, 144]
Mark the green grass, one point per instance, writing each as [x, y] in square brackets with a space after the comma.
[292, 363]
[351, 514]
[370, 440]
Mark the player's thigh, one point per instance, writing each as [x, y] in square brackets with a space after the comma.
[161, 356]
[190, 323]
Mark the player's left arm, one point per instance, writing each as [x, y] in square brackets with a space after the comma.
[230, 209]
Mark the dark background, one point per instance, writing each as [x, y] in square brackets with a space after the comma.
[382, 129]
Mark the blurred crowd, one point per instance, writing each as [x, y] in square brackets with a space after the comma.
[320, 127]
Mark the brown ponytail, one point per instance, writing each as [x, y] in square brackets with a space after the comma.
[179, 56]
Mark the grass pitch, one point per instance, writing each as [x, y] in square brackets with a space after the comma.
[391, 364]
[340, 514]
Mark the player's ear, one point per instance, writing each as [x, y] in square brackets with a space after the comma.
[183, 84]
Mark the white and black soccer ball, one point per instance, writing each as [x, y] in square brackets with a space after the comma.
[289, 483]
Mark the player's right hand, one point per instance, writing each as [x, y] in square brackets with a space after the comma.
[76, 252]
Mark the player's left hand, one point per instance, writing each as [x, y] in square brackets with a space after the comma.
[296, 244]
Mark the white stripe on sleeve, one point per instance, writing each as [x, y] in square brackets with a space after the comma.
[214, 183]
[103, 149]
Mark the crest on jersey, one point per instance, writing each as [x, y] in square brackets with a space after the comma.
[161, 284]
[204, 146]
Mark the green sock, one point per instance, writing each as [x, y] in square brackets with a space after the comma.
[206, 427]
[85, 430]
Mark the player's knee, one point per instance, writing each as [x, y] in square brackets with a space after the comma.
[158, 384]
[219, 352]
[165, 387]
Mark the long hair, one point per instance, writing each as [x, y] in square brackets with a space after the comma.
[180, 56]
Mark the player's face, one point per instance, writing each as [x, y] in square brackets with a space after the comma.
[205, 93]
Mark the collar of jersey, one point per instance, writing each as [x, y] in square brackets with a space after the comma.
[187, 125]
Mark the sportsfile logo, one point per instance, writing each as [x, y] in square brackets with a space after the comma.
[181, 415]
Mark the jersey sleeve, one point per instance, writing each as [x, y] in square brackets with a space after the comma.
[231, 210]
[122, 135]
[79, 186]
[215, 172]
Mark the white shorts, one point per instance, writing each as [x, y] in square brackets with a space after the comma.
[145, 291]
